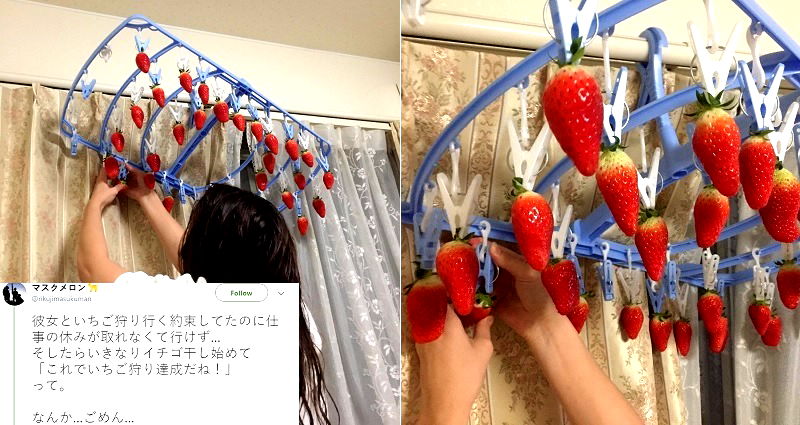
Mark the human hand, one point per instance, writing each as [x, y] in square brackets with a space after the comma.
[137, 188]
[102, 193]
[452, 369]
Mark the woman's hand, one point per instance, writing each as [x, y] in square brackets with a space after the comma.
[137, 188]
[102, 193]
[452, 369]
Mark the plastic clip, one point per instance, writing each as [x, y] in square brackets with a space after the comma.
[714, 73]
[458, 215]
[753, 34]
[604, 270]
[181, 192]
[528, 163]
[486, 265]
[762, 287]
[614, 112]
[655, 290]
[202, 70]
[572, 239]
[86, 88]
[559, 237]
[710, 267]
[154, 74]
[762, 105]
[783, 138]
[673, 277]
[648, 184]
[141, 43]
[426, 237]
[571, 23]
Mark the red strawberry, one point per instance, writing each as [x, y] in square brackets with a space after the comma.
[186, 82]
[319, 206]
[308, 158]
[199, 119]
[239, 122]
[532, 221]
[718, 335]
[579, 314]
[788, 280]
[651, 239]
[118, 140]
[137, 115]
[293, 149]
[272, 143]
[660, 330]
[158, 95]
[631, 319]
[221, 111]
[561, 282]
[683, 336]
[756, 165]
[143, 62]
[711, 211]
[154, 161]
[716, 142]
[760, 314]
[288, 198]
[168, 203]
[258, 130]
[573, 106]
[709, 308]
[780, 214]
[300, 180]
[328, 179]
[481, 309]
[457, 266]
[150, 181]
[617, 180]
[302, 225]
[426, 309]
[111, 165]
[202, 91]
[179, 131]
[269, 162]
[772, 336]
[261, 181]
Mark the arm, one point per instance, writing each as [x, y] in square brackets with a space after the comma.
[586, 393]
[94, 265]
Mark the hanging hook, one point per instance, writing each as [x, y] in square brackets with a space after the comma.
[572, 240]
[455, 179]
[753, 35]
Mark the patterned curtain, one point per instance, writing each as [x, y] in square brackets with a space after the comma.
[437, 83]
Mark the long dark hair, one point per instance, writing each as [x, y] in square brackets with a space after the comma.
[236, 236]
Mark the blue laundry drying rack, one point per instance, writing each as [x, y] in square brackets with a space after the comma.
[677, 161]
[168, 177]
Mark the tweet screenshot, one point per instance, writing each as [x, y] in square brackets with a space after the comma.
[148, 353]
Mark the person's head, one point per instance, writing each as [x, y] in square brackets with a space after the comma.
[236, 236]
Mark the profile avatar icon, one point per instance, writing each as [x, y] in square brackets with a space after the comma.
[12, 293]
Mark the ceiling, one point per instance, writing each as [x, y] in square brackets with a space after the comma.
[357, 27]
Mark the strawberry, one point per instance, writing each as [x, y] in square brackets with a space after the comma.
[158, 95]
[561, 282]
[137, 115]
[300, 180]
[269, 162]
[154, 162]
[293, 149]
[532, 221]
[118, 140]
[651, 240]
[788, 282]
[660, 330]
[711, 211]
[772, 336]
[168, 203]
[756, 165]
[617, 179]
[199, 119]
[760, 314]
[261, 181]
[780, 214]
[573, 106]
[258, 130]
[426, 308]
[302, 225]
[631, 319]
[186, 82]
[111, 165]
[150, 181]
[457, 266]
[221, 111]
[709, 308]
[718, 335]
[579, 314]
[288, 198]
[143, 62]
[202, 91]
[319, 206]
[481, 309]
[179, 132]
[716, 142]
[328, 179]
[683, 336]
[239, 122]
[272, 143]
[308, 158]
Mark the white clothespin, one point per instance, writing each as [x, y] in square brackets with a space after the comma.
[567, 18]
[714, 73]
[455, 178]
[615, 110]
[764, 104]
[554, 191]
[527, 163]
[183, 62]
[753, 35]
[486, 229]
[136, 90]
[710, 266]
[431, 190]
[683, 297]
[783, 139]
[174, 109]
[151, 145]
[763, 288]
[559, 238]
[414, 11]
[648, 184]
[712, 33]
[626, 279]
[458, 215]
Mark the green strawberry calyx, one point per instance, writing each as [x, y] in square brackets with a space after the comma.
[614, 145]
[662, 316]
[760, 133]
[706, 102]
[576, 51]
[484, 300]
[704, 292]
[517, 188]
[788, 263]
[646, 214]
